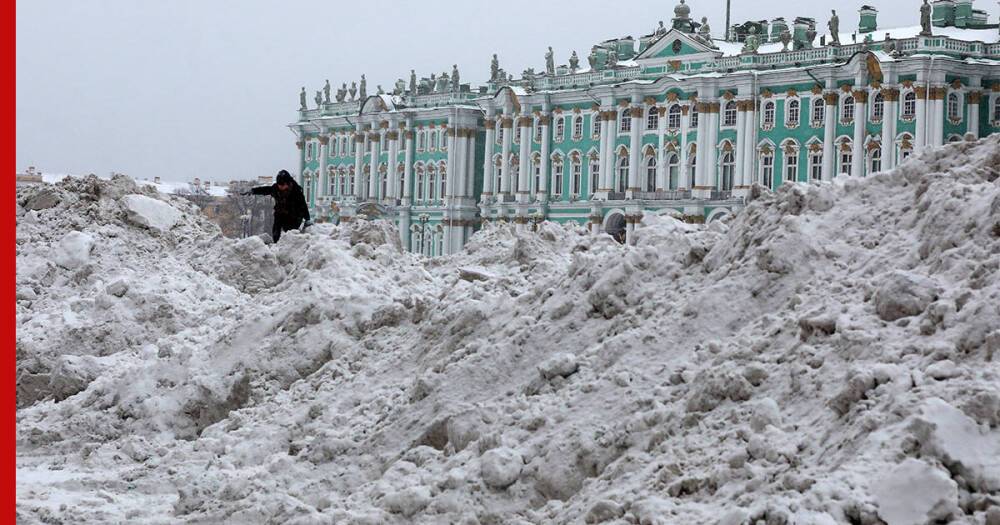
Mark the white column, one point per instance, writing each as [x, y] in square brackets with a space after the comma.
[469, 181]
[525, 159]
[938, 112]
[393, 161]
[749, 141]
[373, 174]
[682, 176]
[359, 161]
[408, 166]
[860, 114]
[741, 132]
[829, 135]
[972, 99]
[505, 127]
[889, 97]
[452, 162]
[604, 185]
[546, 121]
[635, 149]
[701, 154]
[921, 118]
[491, 138]
[324, 144]
[711, 153]
[661, 171]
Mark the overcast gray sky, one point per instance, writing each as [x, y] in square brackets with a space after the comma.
[186, 88]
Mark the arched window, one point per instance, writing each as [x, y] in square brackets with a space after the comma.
[954, 108]
[674, 117]
[673, 163]
[769, 114]
[651, 174]
[653, 119]
[420, 183]
[538, 131]
[625, 122]
[595, 175]
[577, 127]
[384, 176]
[331, 181]
[996, 110]
[351, 180]
[443, 181]
[497, 176]
[622, 181]
[309, 150]
[517, 134]
[847, 111]
[343, 183]
[729, 114]
[402, 183]
[767, 169]
[909, 105]
[560, 129]
[443, 141]
[846, 159]
[728, 170]
[876, 161]
[431, 183]
[694, 115]
[816, 165]
[791, 165]
[557, 177]
[536, 167]
[577, 178]
[793, 117]
[421, 141]
[818, 110]
[692, 169]
[500, 131]
[596, 123]
[878, 107]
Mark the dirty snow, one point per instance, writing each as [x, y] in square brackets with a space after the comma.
[827, 356]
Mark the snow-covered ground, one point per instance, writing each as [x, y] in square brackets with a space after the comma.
[828, 356]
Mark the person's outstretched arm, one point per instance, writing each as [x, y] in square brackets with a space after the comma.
[262, 190]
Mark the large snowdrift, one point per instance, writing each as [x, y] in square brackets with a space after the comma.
[828, 356]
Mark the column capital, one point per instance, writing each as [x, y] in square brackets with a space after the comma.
[890, 94]
[860, 96]
[489, 124]
[636, 112]
[544, 120]
[524, 122]
[974, 97]
[507, 123]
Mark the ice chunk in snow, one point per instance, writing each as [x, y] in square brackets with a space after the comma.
[915, 493]
[903, 294]
[74, 250]
[500, 467]
[151, 213]
[963, 446]
[559, 365]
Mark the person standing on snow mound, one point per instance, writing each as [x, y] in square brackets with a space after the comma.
[290, 209]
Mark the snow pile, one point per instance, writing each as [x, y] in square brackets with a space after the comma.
[828, 356]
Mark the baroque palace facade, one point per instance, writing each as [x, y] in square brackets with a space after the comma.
[676, 122]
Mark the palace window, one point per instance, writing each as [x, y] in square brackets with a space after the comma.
[694, 115]
[996, 110]
[769, 114]
[876, 161]
[791, 166]
[905, 154]
[351, 181]
[577, 127]
[651, 174]
[595, 175]
[431, 184]
[674, 117]
[557, 178]
[560, 129]
[728, 170]
[793, 117]
[435, 140]
[596, 118]
[309, 150]
[421, 141]
[515, 170]
[538, 132]
[444, 140]
[625, 122]
[577, 182]
[331, 181]
[343, 184]
[818, 110]
[402, 183]
[767, 170]
[878, 107]
[692, 170]
[954, 108]
[815, 165]
[846, 160]
[673, 165]
[622, 181]
[498, 177]
[385, 182]
[443, 181]
[537, 166]
[653, 119]
[517, 135]
[847, 112]
[909, 105]
[500, 132]
[729, 114]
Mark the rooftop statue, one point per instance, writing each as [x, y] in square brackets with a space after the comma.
[380, 91]
[455, 82]
[752, 42]
[363, 88]
[661, 30]
[925, 19]
[354, 90]
[342, 92]
[413, 82]
[443, 83]
[494, 69]
[592, 59]
[319, 99]
[400, 87]
[612, 59]
[326, 92]
[704, 31]
[834, 26]
[302, 100]
[574, 62]
[550, 62]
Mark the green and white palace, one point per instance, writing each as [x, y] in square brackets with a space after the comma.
[674, 122]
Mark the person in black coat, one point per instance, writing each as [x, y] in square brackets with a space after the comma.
[290, 209]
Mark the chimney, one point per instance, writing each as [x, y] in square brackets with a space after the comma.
[943, 13]
[869, 19]
[156, 180]
[963, 13]
[778, 25]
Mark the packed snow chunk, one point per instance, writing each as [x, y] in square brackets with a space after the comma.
[43, 200]
[151, 213]
[713, 387]
[408, 501]
[559, 365]
[966, 448]
[73, 250]
[942, 370]
[915, 493]
[604, 510]
[500, 467]
[904, 294]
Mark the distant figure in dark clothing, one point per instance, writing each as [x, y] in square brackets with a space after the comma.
[290, 209]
